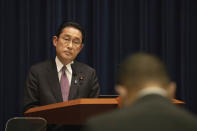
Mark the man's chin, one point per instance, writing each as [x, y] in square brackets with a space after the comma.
[67, 58]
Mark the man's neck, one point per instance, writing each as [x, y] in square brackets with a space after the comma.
[152, 90]
[132, 97]
[63, 61]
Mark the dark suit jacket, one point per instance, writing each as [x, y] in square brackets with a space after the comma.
[43, 87]
[149, 113]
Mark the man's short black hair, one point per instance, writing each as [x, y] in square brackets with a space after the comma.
[70, 24]
[141, 68]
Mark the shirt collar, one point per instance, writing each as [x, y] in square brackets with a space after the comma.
[60, 65]
[152, 90]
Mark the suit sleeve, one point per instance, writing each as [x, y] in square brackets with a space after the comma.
[95, 86]
[31, 91]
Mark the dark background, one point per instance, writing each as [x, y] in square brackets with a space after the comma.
[114, 29]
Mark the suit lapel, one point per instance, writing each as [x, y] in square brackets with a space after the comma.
[74, 82]
[55, 85]
[54, 81]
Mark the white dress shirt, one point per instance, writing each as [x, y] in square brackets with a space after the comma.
[68, 71]
[152, 90]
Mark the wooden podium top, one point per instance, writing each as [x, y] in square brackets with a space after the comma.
[178, 102]
[76, 112]
[84, 101]
[73, 112]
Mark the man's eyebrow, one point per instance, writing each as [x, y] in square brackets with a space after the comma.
[66, 35]
[76, 38]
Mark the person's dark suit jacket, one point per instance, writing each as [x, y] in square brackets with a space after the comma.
[149, 113]
[43, 87]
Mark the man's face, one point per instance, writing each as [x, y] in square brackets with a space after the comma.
[68, 44]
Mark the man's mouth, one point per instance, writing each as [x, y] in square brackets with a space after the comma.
[67, 53]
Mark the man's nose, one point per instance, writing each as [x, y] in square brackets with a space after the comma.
[70, 44]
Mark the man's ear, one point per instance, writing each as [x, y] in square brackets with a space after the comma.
[82, 45]
[55, 38]
[122, 91]
[171, 90]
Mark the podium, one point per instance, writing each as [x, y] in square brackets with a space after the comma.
[73, 112]
[76, 112]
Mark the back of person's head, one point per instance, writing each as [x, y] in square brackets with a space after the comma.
[70, 24]
[141, 69]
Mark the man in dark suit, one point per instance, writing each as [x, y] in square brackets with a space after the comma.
[62, 78]
[146, 91]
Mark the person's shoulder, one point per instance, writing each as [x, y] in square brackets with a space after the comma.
[82, 66]
[43, 65]
[105, 121]
[108, 116]
[186, 115]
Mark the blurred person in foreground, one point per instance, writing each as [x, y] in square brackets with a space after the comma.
[146, 90]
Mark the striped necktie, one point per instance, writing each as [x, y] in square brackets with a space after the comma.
[64, 83]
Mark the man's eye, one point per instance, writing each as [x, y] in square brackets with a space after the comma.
[75, 42]
[66, 39]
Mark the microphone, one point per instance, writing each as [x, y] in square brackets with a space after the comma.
[74, 73]
[76, 79]
[74, 76]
